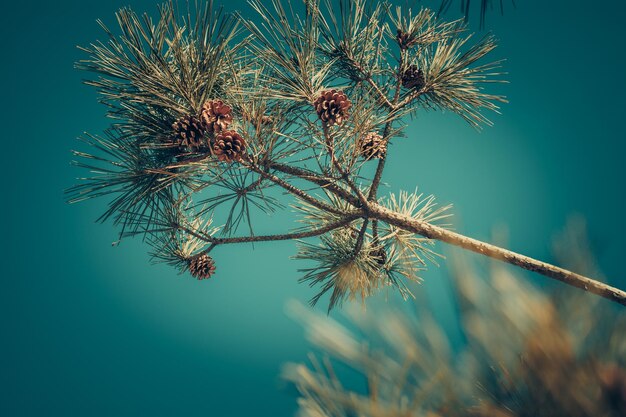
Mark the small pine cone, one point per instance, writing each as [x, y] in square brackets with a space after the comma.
[216, 116]
[202, 267]
[229, 146]
[332, 107]
[413, 77]
[188, 131]
[380, 255]
[403, 39]
[372, 146]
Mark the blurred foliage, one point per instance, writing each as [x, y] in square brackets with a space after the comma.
[528, 352]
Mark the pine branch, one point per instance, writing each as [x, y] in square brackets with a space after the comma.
[211, 122]
[441, 234]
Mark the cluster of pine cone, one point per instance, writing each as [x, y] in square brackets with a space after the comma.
[210, 130]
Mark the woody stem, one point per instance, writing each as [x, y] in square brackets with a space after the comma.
[551, 271]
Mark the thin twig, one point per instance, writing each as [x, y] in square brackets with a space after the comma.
[294, 190]
[316, 179]
[381, 163]
[344, 174]
[289, 236]
[368, 77]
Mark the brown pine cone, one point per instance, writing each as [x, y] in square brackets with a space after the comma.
[413, 77]
[216, 116]
[403, 39]
[188, 131]
[372, 146]
[229, 146]
[379, 255]
[202, 267]
[332, 107]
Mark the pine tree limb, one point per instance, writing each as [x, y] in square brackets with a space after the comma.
[441, 234]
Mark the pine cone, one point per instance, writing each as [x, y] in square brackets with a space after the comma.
[216, 116]
[413, 77]
[372, 146]
[332, 107]
[403, 39]
[229, 146]
[380, 255]
[202, 267]
[188, 131]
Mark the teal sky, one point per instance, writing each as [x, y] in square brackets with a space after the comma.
[94, 330]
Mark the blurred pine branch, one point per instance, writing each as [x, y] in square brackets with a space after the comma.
[526, 352]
